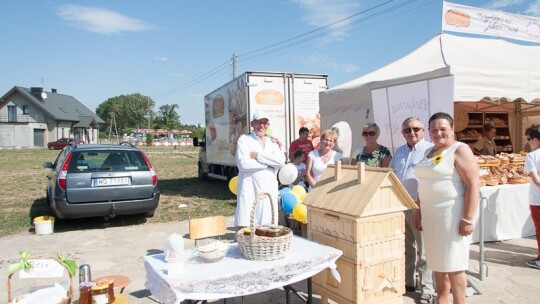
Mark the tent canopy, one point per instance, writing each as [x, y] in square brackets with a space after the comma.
[483, 69]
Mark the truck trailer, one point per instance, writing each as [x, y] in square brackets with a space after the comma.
[290, 99]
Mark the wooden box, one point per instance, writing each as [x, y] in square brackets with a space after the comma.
[359, 210]
[381, 282]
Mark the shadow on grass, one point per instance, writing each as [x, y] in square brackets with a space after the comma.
[186, 187]
[41, 207]
[194, 187]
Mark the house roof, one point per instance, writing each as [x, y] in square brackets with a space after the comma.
[59, 106]
[345, 195]
[86, 121]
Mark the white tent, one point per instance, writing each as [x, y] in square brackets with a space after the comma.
[482, 69]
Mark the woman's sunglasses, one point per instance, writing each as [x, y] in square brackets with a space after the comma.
[370, 133]
[409, 130]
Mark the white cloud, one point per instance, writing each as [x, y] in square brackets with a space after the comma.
[501, 4]
[533, 9]
[319, 13]
[522, 7]
[161, 58]
[99, 20]
[327, 62]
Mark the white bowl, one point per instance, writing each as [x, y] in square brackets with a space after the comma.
[213, 252]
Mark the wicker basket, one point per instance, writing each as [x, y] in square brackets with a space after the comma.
[36, 257]
[254, 247]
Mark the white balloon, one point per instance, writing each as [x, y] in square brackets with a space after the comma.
[287, 174]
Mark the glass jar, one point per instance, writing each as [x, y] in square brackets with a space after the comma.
[261, 231]
[100, 294]
[110, 284]
[85, 292]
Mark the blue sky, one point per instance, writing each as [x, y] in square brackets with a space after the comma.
[177, 51]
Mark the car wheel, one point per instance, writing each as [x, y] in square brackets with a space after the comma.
[149, 214]
[50, 147]
[50, 202]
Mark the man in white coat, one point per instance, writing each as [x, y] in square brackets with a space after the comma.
[258, 157]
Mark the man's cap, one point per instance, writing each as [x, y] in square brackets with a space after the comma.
[258, 115]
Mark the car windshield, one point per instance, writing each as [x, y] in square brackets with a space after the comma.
[107, 160]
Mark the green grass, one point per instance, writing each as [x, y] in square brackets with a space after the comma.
[24, 181]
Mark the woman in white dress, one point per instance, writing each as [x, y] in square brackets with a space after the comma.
[318, 160]
[448, 189]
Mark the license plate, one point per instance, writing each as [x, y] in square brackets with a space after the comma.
[111, 181]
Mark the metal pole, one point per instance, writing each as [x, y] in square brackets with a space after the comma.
[233, 66]
[483, 206]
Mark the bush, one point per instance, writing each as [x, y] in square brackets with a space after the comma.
[148, 139]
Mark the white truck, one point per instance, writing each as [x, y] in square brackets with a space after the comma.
[290, 99]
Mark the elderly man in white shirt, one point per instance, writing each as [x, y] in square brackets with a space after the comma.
[403, 162]
[258, 157]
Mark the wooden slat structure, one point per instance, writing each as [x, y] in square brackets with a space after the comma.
[359, 210]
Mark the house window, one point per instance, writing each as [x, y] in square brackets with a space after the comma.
[12, 114]
[26, 109]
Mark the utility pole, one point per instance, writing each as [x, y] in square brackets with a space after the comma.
[233, 65]
[149, 113]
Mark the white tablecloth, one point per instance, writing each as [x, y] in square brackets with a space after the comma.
[506, 214]
[235, 276]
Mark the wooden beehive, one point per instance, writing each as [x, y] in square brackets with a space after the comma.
[359, 210]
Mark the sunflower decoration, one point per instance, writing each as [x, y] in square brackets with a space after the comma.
[437, 159]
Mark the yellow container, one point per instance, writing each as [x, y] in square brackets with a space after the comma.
[44, 224]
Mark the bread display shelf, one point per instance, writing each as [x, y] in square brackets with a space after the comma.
[495, 165]
[473, 130]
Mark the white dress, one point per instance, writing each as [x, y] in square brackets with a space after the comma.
[256, 176]
[318, 166]
[441, 192]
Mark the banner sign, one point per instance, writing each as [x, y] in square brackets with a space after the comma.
[481, 21]
[392, 105]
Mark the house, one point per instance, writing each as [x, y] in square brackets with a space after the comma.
[359, 210]
[32, 118]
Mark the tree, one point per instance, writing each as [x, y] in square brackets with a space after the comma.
[129, 111]
[167, 117]
[198, 132]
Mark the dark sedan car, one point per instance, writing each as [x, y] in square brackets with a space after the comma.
[101, 180]
[62, 142]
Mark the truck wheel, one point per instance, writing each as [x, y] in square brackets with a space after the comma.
[202, 176]
[232, 173]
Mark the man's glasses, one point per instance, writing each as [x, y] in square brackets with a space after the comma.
[370, 133]
[262, 122]
[409, 130]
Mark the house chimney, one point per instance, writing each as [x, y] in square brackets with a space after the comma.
[361, 172]
[337, 173]
[38, 92]
[53, 90]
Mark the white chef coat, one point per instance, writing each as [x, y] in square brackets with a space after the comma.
[256, 176]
